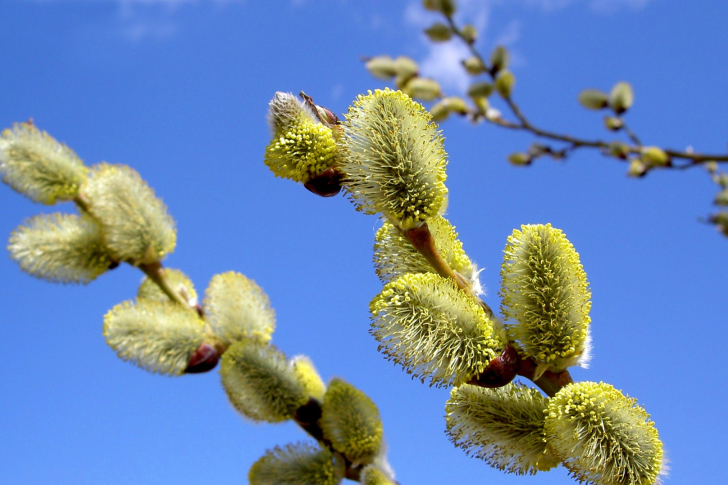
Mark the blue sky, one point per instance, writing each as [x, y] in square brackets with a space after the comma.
[179, 89]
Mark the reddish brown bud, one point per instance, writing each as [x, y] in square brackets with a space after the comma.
[325, 184]
[203, 359]
[500, 371]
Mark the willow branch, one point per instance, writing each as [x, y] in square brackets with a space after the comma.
[692, 159]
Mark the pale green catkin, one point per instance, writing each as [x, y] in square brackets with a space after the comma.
[433, 329]
[351, 421]
[237, 309]
[546, 296]
[135, 223]
[502, 426]
[36, 165]
[260, 383]
[157, 336]
[603, 437]
[295, 464]
[61, 248]
[395, 162]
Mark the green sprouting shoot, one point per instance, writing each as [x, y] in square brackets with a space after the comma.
[351, 421]
[237, 309]
[394, 255]
[135, 223]
[436, 331]
[502, 426]
[177, 280]
[603, 437]
[295, 464]
[545, 292]
[301, 147]
[61, 248]
[36, 165]
[309, 376]
[260, 383]
[159, 336]
[395, 162]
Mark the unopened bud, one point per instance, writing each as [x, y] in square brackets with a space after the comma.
[711, 167]
[619, 150]
[520, 158]
[203, 359]
[621, 97]
[469, 33]
[439, 32]
[498, 59]
[636, 168]
[593, 99]
[446, 7]
[325, 184]
[500, 371]
[482, 104]
[480, 89]
[422, 88]
[504, 83]
[382, 67]
[456, 105]
[405, 66]
[654, 157]
[439, 111]
[402, 79]
[722, 198]
[612, 123]
[473, 65]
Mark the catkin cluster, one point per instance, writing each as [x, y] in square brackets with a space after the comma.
[166, 329]
[429, 320]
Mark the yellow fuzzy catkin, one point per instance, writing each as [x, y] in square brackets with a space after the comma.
[502, 426]
[237, 309]
[433, 329]
[394, 255]
[179, 281]
[295, 464]
[545, 293]
[603, 437]
[351, 421]
[260, 383]
[309, 376]
[301, 147]
[395, 161]
[373, 475]
[39, 167]
[62, 248]
[135, 223]
[155, 335]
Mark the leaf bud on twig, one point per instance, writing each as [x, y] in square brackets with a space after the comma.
[439, 32]
[504, 83]
[499, 59]
[593, 99]
[621, 97]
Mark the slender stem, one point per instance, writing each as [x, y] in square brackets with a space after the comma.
[421, 238]
[155, 272]
[631, 134]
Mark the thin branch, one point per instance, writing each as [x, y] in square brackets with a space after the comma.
[523, 123]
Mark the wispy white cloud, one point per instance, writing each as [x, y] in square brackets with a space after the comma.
[149, 19]
[611, 6]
